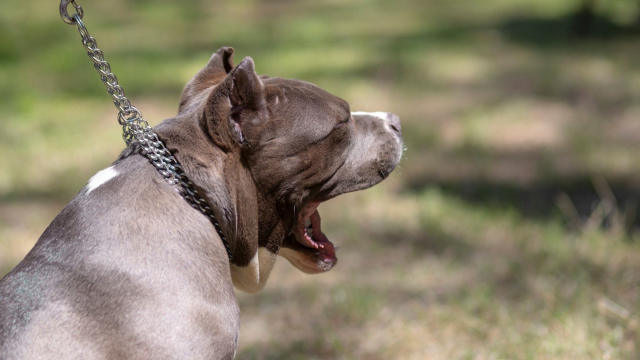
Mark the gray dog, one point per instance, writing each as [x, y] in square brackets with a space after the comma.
[130, 270]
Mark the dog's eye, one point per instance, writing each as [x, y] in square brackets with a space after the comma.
[344, 121]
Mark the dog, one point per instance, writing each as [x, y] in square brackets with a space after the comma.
[130, 270]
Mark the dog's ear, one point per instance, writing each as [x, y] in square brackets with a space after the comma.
[220, 64]
[248, 105]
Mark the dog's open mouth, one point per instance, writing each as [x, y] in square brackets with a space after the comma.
[308, 231]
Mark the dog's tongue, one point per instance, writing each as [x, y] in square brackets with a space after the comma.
[316, 240]
[318, 237]
[308, 232]
[325, 247]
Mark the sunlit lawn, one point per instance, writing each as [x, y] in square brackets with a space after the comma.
[471, 250]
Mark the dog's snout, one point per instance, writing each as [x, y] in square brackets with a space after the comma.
[394, 122]
[391, 120]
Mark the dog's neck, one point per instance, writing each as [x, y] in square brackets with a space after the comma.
[200, 138]
[215, 167]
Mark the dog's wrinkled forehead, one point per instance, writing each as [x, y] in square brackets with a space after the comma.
[303, 142]
[296, 99]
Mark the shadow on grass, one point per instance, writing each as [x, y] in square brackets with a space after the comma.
[540, 200]
[435, 242]
[565, 30]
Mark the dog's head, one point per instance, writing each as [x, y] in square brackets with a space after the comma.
[302, 146]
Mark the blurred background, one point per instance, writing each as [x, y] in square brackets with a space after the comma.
[510, 229]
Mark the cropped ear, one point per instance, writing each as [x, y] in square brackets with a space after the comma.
[220, 64]
[248, 105]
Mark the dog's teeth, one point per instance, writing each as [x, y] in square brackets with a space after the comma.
[307, 222]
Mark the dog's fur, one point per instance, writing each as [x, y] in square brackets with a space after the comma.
[129, 270]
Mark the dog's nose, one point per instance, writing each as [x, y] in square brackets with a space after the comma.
[394, 121]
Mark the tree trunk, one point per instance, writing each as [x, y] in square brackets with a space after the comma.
[583, 19]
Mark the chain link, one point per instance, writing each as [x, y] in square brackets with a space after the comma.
[64, 4]
[135, 128]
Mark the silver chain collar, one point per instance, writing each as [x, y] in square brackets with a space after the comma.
[135, 128]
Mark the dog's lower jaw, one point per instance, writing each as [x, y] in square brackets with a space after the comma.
[312, 262]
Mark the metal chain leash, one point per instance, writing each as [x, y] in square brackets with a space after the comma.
[135, 128]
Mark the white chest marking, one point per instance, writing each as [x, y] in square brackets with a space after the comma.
[100, 178]
[253, 277]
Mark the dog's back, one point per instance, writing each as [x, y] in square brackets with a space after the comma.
[92, 286]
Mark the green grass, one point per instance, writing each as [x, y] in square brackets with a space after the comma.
[464, 252]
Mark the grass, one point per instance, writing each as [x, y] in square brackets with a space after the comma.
[464, 252]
